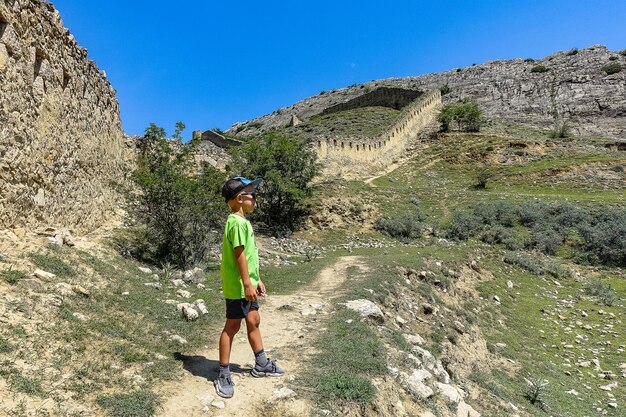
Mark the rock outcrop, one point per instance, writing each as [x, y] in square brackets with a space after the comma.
[569, 86]
[61, 139]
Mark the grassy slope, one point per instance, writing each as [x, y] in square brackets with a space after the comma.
[442, 178]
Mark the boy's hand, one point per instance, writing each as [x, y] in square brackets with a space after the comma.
[261, 289]
[250, 292]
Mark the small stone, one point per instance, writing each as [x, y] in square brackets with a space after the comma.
[145, 270]
[80, 316]
[190, 313]
[179, 283]
[195, 275]
[509, 284]
[183, 293]
[474, 266]
[414, 339]
[612, 405]
[64, 289]
[41, 274]
[400, 321]
[366, 308]
[201, 306]
[80, 290]
[496, 299]
[218, 404]
[156, 285]
[283, 394]
[177, 338]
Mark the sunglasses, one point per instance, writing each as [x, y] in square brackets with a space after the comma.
[253, 195]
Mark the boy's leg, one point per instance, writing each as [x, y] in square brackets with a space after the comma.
[224, 385]
[226, 339]
[253, 321]
[262, 366]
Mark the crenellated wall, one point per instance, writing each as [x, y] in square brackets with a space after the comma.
[388, 145]
[395, 98]
[61, 139]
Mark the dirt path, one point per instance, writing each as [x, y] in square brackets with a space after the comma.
[289, 324]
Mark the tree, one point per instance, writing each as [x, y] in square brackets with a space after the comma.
[179, 209]
[287, 167]
[465, 114]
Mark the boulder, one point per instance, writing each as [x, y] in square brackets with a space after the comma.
[366, 308]
[415, 386]
[195, 275]
[450, 393]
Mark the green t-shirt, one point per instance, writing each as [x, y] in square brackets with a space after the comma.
[238, 232]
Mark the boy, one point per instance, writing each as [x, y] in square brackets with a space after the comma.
[241, 284]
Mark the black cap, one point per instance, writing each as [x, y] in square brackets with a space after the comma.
[233, 186]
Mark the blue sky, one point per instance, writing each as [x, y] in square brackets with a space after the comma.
[212, 63]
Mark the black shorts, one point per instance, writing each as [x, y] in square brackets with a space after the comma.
[239, 309]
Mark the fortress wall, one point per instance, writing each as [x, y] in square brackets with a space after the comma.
[392, 142]
[219, 140]
[385, 96]
[61, 139]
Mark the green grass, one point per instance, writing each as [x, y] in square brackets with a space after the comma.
[31, 386]
[12, 276]
[6, 346]
[287, 279]
[53, 264]
[134, 404]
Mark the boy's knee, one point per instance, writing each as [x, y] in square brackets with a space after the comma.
[232, 326]
[253, 320]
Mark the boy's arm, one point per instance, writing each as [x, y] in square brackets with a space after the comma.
[242, 265]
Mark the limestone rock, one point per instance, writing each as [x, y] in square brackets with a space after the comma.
[177, 338]
[465, 410]
[41, 274]
[416, 387]
[195, 275]
[450, 393]
[183, 293]
[414, 339]
[189, 312]
[201, 306]
[145, 270]
[366, 308]
[283, 394]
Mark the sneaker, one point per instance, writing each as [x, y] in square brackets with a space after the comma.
[270, 369]
[224, 386]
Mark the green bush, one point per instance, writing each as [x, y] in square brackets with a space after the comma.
[613, 58]
[604, 293]
[483, 176]
[445, 89]
[132, 404]
[623, 53]
[612, 68]
[178, 206]
[529, 60]
[560, 131]
[596, 235]
[336, 385]
[464, 114]
[403, 226]
[539, 69]
[572, 52]
[287, 167]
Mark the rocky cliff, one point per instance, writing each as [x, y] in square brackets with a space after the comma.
[574, 87]
[61, 139]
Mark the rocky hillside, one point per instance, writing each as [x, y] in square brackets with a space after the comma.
[586, 89]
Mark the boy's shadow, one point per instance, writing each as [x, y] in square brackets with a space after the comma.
[203, 367]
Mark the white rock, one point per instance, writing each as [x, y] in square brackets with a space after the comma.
[195, 275]
[218, 404]
[509, 284]
[183, 293]
[177, 338]
[201, 306]
[64, 289]
[190, 313]
[400, 321]
[449, 392]
[205, 398]
[421, 375]
[496, 298]
[283, 394]
[612, 405]
[178, 283]
[80, 316]
[573, 392]
[145, 270]
[417, 387]
[41, 274]
[366, 308]
[465, 410]
[414, 339]
[156, 285]
[609, 387]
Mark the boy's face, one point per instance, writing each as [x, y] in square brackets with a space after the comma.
[247, 199]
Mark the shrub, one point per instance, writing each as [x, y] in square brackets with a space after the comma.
[613, 58]
[337, 385]
[603, 292]
[482, 177]
[623, 53]
[529, 60]
[465, 114]
[560, 131]
[404, 226]
[287, 167]
[612, 68]
[572, 52]
[539, 69]
[445, 89]
[179, 207]
[53, 264]
[535, 390]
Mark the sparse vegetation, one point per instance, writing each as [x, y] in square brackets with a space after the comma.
[613, 58]
[52, 263]
[539, 69]
[465, 115]
[132, 404]
[534, 391]
[612, 68]
[572, 52]
[560, 131]
[404, 226]
[603, 292]
[12, 276]
[483, 176]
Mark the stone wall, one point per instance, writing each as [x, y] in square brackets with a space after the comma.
[61, 140]
[219, 140]
[395, 98]
[388, 145]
